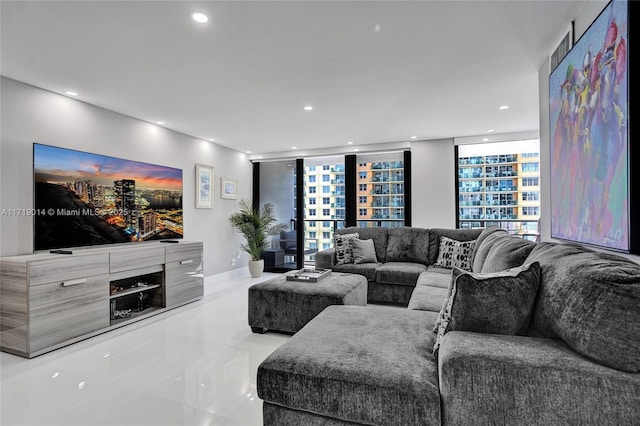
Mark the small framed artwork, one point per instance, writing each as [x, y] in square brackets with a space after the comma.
[204, 186]
[228, 188]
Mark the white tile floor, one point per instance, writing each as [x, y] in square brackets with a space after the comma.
[195, 365]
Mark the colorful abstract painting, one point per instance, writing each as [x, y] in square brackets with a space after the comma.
[589, 135]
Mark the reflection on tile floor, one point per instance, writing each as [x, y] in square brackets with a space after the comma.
[195, 365]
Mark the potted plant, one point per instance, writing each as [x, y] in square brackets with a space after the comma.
[256, 226]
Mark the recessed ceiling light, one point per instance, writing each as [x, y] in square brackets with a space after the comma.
[491, 130]
[71, 93]
[160, 122]
[485, 139]
[212, 140]
[356, 150]
[248, 152]
[308, 108]
[294, 147]
[350, 143]
[503, 107]
[414, 137]
[200, 18]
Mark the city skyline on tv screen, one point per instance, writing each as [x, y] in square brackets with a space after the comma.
[84, 199]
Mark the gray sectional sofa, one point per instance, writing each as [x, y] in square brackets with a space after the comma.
[404, 256]
[576, 363]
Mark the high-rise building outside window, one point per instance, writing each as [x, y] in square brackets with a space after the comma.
[329, 171]
[498, 184]
[379, 197]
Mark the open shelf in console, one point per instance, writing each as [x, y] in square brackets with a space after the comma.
[136, 293]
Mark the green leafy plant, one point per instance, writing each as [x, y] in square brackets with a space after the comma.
[256, 226]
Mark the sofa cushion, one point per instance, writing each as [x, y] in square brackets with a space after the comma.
[435, 277]
[404, 273]
[363, 251]
[408, 245]
[591, 301]
[366, 269]
[496, 303]
[377, 234]
[343, 247]
[426, 298]
[483, 244]
[454, 253]
[507, 252]
[368, 366]
[517, 380]
[455, 234]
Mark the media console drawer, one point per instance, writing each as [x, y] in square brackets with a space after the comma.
[135, 258]
[60, 267]
[60, 311]
[182, 251]
[184, 280]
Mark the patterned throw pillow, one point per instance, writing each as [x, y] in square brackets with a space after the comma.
[492, 303]
[344, 250]
[455, 253]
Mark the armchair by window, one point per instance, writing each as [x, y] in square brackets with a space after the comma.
[289, 244]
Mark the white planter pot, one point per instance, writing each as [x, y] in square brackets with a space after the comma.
[256, 267]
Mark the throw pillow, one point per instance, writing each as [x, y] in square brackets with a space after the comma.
[454, 274]
[506, 252]
[364, 251]
[496, 303]
[453, 253]
[344, 250]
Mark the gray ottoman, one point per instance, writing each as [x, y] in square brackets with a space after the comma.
[287, 306]
[354, 365]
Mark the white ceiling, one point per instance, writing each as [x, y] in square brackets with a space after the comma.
[374, 71]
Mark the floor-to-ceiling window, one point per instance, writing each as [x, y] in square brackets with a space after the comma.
[325, 202]
[381, 189]
[378, 195]
[277, 184]
[499, 184]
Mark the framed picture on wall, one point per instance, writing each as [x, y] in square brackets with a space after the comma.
[228, 188]
[204, 186]
[589, 136]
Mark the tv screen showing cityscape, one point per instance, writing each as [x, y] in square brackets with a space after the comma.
[85, 199]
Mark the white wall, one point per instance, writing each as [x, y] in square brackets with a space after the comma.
[30, 114]
[581, 22]
[433, 184]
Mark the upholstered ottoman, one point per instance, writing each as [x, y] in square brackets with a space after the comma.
[287, 306]
[353, 365]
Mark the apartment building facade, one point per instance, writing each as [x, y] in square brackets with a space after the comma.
[500, 185]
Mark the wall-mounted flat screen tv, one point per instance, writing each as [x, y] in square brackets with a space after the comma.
[85, 199]
[589, 135]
